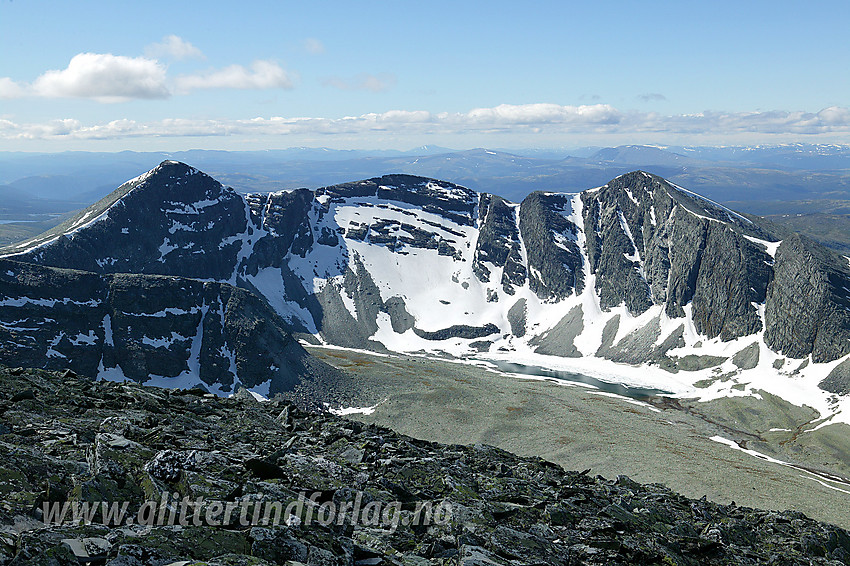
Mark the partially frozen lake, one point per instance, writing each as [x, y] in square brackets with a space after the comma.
[638, 393]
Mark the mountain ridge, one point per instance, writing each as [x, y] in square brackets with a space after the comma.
[638, 271]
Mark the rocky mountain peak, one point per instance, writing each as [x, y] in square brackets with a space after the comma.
[173, 220]
[177, 181]
[630, 271]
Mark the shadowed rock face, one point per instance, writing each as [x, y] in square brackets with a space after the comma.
[437, 262]
[173, 220]
[281, 221]
[172, 329]
[134, 444]
[649, 243]
[498, 243]
[808, 301]
[554, 258]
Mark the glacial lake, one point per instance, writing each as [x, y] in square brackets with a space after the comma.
[638, 393]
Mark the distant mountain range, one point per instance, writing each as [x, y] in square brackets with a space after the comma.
[638, 276]
[749, 176]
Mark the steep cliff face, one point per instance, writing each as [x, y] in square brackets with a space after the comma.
[554, 259]
[808, 307]
[649, 242]
[152, 329]
[637, 271]
[499, 244]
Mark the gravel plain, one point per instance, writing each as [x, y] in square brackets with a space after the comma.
[668, 441]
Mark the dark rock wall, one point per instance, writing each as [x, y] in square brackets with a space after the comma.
[691, 251]
[145, 325]
[554, 259]
[499, 243]
[808, 302]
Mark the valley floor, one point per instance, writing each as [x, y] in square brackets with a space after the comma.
[694, 448]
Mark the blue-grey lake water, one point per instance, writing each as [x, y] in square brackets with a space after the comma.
[639, 393]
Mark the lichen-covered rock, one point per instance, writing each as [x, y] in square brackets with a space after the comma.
[487, 505]
[838, 380]
[748, 358]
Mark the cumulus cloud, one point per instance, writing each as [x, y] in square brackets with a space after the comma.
[363, 81]
[834, 115]
[261, 75]
[173, 47]
[104, 77]
[550, 119]
[114, 78]
[11, 89]
[313, 46]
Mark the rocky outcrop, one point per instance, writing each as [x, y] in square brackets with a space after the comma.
[555, 261]
[458, 331]
[66, 440]
[808, 306]
[448, 200]
[143, 327]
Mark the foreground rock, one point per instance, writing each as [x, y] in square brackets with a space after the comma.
[66, 439]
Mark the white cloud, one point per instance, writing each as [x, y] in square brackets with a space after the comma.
[173, 47]
[114, 78]
[52, 129]
[313, 46]
[104, 77]
[543, 114]
[363, 81]
[261, 75]
[400, 117]
[529, 119]
[11, 89]
[835, 115]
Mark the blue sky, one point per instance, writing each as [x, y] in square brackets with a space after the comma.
[117, 75]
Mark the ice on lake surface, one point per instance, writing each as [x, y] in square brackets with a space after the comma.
[639, 393]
